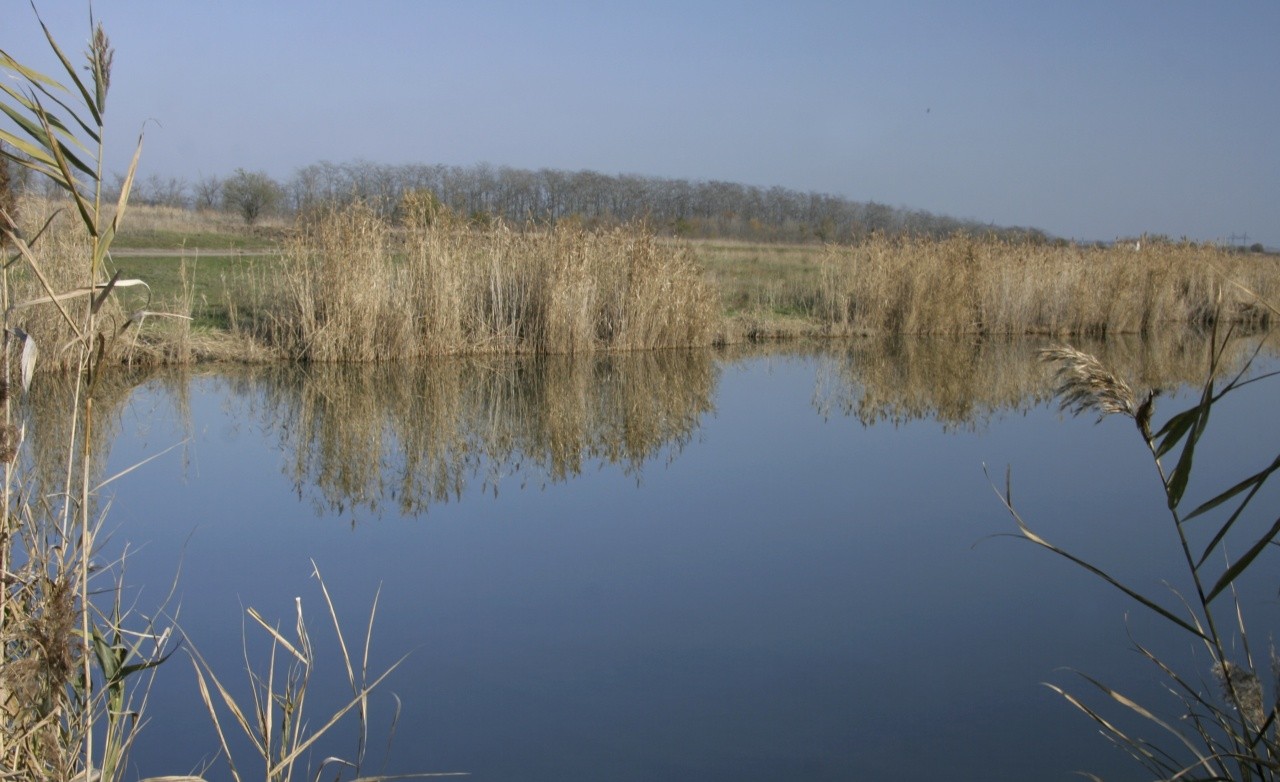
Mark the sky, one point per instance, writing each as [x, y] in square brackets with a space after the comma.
[1090, 120]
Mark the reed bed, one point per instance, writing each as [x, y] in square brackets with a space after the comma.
[966, 285]
[343, 284]
[352, 288]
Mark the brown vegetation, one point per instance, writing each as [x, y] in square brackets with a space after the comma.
[350, 287]
[343, 284]
[966, 285]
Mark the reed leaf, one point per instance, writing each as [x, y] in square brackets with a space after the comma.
[1177, 482]
[44, 143]
[1029, 535]
[89, 99]
[333, 720]
[1254, 485]
[122, 203]
[64, 178]
[32, 157]
[32, 105]
[1174, 430]
[346, 660]
[30, 74]
[203, 685]
[1134, 746]
[75, 293]
[27, 364]
[62, 155]
[1202, 760]
[277, 636]
[1240, 565]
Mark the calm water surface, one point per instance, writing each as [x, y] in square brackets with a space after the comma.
[784, 567]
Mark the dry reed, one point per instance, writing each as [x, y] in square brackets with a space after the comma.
[136, 328]
[352, 289]
[349, 286]
[966, 285]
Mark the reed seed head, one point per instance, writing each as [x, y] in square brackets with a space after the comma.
[1247, 688]
[9, 439]
[1084, 384]
[100, 55]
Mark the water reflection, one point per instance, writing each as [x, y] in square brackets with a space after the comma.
[406, 436]
[783, 600]
[415, 435]
[962, 382]
[47, 418]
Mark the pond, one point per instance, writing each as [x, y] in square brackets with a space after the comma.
[782, 564]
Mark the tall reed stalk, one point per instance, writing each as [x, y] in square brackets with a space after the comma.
[67, 707]
[76, 661]
[1227, 732]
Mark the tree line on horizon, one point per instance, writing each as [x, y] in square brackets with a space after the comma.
[483, 192]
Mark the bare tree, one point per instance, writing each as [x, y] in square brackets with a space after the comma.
[690, 208]
[207, 192]
[251, 194]
[156, 190]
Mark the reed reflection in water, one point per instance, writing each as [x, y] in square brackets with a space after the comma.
[361, 436]
[962, 381]
[415, 434]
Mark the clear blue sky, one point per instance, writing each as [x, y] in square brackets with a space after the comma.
[1091, 120]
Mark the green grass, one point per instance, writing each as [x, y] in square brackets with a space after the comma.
[215, 280]
[177, 240]
[775, 280]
